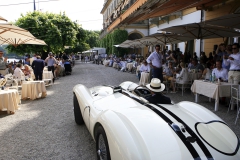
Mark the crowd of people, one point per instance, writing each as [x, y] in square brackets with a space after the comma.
[32, 67]
[174, 66]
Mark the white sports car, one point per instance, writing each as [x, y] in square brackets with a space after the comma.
[125, 126]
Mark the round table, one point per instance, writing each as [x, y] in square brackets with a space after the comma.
[9, 100]
[33, 89]
[47, 75]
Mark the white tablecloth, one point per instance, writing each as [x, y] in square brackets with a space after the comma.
[47, 75]
[212, 90]
[129, 66]
[115, 65]
[145, 78]
[106, 62]
[33, 89]
[9, 99]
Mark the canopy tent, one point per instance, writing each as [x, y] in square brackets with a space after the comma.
[230, 20]
[201, 31]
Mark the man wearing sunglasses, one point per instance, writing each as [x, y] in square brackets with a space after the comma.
[234, 61]
[3, 64]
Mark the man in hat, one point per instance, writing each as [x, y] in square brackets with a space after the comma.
[156, 87]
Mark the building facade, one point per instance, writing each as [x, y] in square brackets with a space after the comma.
[145, 17]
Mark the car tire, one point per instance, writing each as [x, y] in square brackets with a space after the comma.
[102, 147]
[77, 111]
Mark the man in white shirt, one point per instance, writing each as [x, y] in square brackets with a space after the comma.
[155, 61]
[144, 67]
[234, 61]
[18, 74]
[220, 73]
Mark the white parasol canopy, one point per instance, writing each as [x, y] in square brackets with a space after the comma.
[201, 31]
[230, 20]
[2, 19]
[13, 35]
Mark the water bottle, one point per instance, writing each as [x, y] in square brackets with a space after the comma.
[214, 77]
[210, 78]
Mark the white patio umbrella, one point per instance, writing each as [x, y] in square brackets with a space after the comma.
[201, 31]
[230, 20]
[126, 44]
[2, 19]
[18, 41]
[163, 38]
[13, 35]
[11, 31]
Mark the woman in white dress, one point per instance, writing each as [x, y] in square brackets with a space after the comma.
[207, 72]
[18, 73]
[180, 78]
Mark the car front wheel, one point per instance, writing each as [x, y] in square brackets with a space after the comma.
[102, 145]
[77, 111]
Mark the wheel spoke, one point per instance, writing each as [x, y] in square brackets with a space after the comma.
[102, 152]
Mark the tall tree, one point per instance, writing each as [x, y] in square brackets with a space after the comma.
[57, 30]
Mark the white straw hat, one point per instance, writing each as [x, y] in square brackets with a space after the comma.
[156, 85]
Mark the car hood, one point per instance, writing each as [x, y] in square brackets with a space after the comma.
[150, 130]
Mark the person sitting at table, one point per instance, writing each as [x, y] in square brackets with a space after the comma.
[144, 68]
[220, 73]
[18, 73]
[168, 72]
[207, 71]
[156, 87]
[62, 69]
[123, 65]
[180, 78]
[195, 65]
[26, 71]
[10, 68]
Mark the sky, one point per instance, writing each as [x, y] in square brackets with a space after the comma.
[85, 12]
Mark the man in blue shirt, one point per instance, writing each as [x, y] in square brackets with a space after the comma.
[50, 60]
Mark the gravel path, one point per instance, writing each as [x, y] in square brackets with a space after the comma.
[45, 128]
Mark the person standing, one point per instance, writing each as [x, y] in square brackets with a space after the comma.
[50, 62]
[234, 61]
[155, 61]
[38, 66]
[3, 64]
